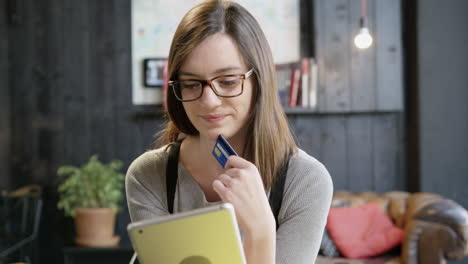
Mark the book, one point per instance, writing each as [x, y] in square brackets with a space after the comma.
[294, 87]
[305, 80]
[313, 85]
[283, 75]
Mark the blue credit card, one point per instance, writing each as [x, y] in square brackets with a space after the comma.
[222, 150]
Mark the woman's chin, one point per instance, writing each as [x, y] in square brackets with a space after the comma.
[213, 134]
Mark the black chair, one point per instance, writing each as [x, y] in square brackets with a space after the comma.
[20, 214]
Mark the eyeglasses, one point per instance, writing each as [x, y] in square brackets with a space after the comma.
[222, 86]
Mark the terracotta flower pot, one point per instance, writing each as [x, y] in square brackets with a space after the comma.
[95, 227]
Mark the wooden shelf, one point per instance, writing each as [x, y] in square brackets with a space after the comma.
[299, 111]
[153, 111]
[310, 111]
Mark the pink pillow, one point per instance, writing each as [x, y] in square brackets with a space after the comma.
[363, 231]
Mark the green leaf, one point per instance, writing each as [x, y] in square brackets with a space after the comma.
[93, 184]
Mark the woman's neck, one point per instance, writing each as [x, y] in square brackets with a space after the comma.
[196, 156]
[204, 145]
[197, 150]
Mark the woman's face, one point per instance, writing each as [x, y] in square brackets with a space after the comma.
[212, 115]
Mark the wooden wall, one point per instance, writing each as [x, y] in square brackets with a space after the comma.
[70, 91]
[4, 102]
[359, 137]
[354, 80]
[69, 87]
[443, 89]
[361, 151]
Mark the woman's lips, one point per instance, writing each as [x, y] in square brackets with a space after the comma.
[213, 118]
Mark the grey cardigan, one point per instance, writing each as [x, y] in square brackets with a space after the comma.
[307, 196]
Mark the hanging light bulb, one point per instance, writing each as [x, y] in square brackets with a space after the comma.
[363, 39]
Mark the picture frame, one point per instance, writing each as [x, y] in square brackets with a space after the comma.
[153, 72]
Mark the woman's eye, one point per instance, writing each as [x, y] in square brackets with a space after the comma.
[189, 85]
[229, 81]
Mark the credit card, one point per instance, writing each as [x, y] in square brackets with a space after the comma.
[222, 150]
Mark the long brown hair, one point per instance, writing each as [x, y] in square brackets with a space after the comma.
[272, 141]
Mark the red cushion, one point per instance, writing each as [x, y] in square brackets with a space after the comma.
[363, 231]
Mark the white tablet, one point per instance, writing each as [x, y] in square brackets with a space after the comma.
[208, 235]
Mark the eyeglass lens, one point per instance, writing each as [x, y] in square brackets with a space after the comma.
[224, 86]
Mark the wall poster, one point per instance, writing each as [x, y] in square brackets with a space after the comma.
[155, 21]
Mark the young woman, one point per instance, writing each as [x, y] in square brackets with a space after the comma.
[222, 82]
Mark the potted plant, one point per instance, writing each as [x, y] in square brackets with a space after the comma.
[92, 194]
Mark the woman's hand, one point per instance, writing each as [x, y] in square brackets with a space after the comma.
[241, 185]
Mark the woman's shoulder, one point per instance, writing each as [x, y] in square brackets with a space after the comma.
[145, 184]
[301, 160]
[306, 170]
[149, 163]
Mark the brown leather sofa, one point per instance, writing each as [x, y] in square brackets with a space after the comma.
[436, 229]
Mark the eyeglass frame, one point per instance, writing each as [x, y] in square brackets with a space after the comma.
[210, 83]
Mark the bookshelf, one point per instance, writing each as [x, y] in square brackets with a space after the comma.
[300, 111]
[308, 111]
[152, 111]
[157, 111]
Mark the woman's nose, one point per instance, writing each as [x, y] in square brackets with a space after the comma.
[209, 97]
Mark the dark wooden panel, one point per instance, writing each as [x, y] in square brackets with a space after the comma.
[358, 80]
[4, 102]
[101, 92]
[308, 132]
[49, 63]
[362, 62]
[126, 130]
[40, 135]
[411, 74]
[306, 28]
[402, 155]
[26, 79]
[56, 60]
[333, 38]
[125, 133]
[334, 150]
[77, 85]
[360, 153]
[132, 133]
[386, 144]
[389, 55]
[443, 90]
[147, 130]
